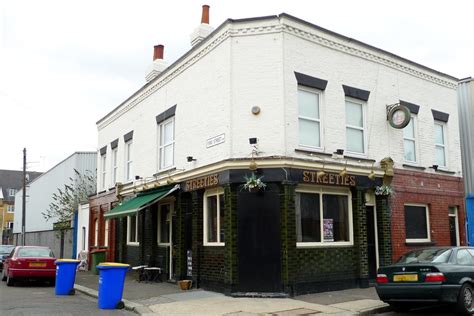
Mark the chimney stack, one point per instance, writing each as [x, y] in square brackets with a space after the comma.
[158, 52]
[158, 64]
[205, 14]
[204, 29]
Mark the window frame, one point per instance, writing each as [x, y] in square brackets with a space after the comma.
[428, 229]
[11, 209]
[11, 192]
[106, 232]
[328, 191]
[414, 139]
[319, 94]
[114, 164]
[161, 146]
[456, 221]
[444, 145]
[10, 224]
[212, 192]
[158, 237]
[364, 130]
[96, 232]
[132, 243]
[103, 169]
[128, 163]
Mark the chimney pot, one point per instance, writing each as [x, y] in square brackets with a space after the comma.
[205, 14]
[158, 52]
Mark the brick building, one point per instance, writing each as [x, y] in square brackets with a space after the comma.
[277, 156]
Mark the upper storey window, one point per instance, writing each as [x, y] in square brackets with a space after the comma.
[355, 127]
[409, 140]
[309, 118]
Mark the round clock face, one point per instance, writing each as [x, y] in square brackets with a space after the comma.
[398, 117]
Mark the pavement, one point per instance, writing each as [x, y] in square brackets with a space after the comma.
[163, 298]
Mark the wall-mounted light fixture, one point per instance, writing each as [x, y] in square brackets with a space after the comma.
[371, 175]
[321, 173]
[340, 151]
[434, 167]
[343, 172]
[137, 177]
[253, 140]
[190, 158]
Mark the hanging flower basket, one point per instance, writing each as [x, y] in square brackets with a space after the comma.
[383, 190]
[253, 183]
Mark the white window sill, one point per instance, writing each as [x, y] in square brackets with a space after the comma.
[352, 154]
[323, 245]
[417, 241]
[214, 244]
[160, 244]
[135, 244]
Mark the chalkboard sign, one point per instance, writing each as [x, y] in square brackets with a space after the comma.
[189, 263]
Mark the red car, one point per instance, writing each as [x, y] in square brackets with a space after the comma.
[29, 262]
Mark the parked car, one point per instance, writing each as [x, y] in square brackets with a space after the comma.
[5, 250]
[430, 275]
[29, 262]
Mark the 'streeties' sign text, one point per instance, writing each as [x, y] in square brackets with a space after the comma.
[201, 183]
[328, 178]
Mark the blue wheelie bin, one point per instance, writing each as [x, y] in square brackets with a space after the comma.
[65, 276]
[111, 281]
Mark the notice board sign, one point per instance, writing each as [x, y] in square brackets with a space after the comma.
[189, 263]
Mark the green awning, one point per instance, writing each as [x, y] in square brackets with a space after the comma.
[141, 201]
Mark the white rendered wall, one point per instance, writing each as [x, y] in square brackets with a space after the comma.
[386, 86]
[82, 221]
[41, 190]
[202, 96]
[216, 85]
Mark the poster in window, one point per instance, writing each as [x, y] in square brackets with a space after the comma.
[328, 229]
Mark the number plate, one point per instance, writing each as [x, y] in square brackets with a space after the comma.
[405, 278]
[37, 264]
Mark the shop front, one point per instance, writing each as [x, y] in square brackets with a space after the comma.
[281, 230]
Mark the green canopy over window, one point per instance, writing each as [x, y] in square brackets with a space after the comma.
[142, 200]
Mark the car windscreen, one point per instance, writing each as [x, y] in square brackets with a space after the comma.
[6, 249]
[35, 252]
[426, 256]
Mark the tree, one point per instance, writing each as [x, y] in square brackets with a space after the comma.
[66, 200]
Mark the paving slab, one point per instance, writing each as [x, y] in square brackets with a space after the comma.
[360, 305]
[222, 305]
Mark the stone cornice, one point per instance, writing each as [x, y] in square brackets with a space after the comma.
[242, 28]
[368, 54]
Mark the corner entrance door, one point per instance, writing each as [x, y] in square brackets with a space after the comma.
[371, 242]
[259, 245]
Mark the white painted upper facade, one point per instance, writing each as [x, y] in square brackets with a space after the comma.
[40, 191]
[252, 62]
[82, 228]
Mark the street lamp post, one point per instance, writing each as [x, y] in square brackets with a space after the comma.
[23, 212]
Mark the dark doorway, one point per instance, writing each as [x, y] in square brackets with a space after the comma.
[452, 230]
[371, 242]
[259, 242]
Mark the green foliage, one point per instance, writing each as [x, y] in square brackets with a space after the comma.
[66, 200]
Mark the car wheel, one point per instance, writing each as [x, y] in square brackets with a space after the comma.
[10, 281]
[4, 277]
[465, 299]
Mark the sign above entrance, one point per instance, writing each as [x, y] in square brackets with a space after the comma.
[202, 182]
[328, 178]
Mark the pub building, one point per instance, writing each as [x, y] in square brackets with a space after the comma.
[251, 166]
[303, 230]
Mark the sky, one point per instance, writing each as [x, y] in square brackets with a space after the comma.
[66, 64]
